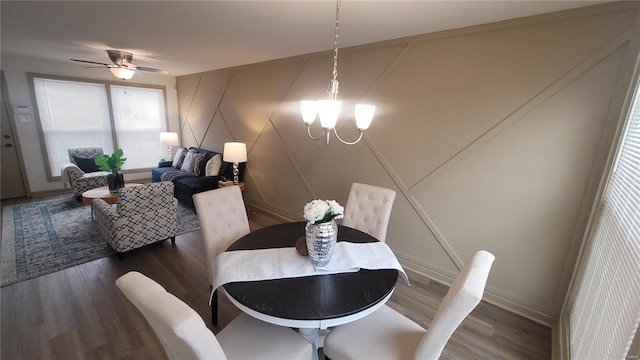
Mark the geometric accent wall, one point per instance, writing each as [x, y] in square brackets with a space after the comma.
[494, 137]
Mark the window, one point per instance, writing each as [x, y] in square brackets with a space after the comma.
[138, 115]
[606, 312]
[83, 113]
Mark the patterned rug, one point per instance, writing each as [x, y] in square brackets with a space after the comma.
[43, 237]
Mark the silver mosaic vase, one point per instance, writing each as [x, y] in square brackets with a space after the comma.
[321, 241]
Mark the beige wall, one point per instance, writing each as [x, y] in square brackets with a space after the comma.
[494, 137]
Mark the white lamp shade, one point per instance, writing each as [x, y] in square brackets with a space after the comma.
[122, 73]
[329, 111]
[309, 110]
[235, 152]
[364, 115]
[169, 139]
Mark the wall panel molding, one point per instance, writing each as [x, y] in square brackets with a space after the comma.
[493, 137]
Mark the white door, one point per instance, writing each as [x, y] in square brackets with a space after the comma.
[10, 174]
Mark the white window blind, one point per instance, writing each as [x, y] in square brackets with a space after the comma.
[79, 114]
[139, 118]
[606, 313]
[72, 115]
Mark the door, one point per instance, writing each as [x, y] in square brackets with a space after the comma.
[10, 174]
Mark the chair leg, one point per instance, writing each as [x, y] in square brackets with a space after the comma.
[173, 240]
[214, 306]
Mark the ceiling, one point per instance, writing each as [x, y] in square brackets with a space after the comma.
[185, 37]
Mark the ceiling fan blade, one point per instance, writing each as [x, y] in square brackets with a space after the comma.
[90, 62]
[148, 69]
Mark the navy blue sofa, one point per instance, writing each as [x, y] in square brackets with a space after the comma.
[185, 187]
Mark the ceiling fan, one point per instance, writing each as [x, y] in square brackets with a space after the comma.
[122, 66]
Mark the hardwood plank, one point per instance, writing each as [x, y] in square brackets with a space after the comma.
[67, 346]
[80, 313]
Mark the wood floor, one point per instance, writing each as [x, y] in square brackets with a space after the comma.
[78, 313]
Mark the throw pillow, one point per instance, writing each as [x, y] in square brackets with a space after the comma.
[87, 164]
[190, 161]
[213, 166]
[179, 158]
[200, 162]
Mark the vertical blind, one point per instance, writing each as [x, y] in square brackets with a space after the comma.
[606, 312]
[77, 114]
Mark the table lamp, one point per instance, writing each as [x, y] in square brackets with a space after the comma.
[235, 152]
[169, 139]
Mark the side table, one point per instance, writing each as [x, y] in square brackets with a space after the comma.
[230, 183]
[102, 193]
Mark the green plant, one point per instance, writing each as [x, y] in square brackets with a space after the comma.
[106, 162]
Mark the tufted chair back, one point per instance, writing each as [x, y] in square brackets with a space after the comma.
[184, 335]
[179, 328]
[223, 220]
[387, 334]
[368, 209]
[83, 152]
[463, 296]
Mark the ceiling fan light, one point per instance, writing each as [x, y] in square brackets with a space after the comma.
[122, 73]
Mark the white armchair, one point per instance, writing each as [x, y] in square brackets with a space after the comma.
[184, 335]
[387, 334]
[144, 214]
[78, 180]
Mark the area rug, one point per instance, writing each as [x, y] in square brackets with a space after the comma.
[43, 237]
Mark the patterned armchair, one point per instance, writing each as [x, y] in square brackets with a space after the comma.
[78, 180]
[144, 214]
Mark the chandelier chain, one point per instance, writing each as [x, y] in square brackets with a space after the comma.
[335, 42]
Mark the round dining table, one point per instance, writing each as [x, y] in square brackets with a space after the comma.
[311, 303]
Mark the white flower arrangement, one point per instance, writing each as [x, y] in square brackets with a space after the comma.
[322, 211]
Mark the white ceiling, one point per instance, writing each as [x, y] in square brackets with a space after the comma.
[186, 37]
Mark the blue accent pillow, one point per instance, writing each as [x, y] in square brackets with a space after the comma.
[87, 164]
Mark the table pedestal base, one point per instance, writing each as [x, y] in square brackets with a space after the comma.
[316, 337]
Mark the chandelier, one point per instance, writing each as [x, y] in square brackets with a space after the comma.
[329, 110]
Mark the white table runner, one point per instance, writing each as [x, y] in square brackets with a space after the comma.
[281, 263]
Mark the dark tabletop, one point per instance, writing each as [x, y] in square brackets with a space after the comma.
[319, 297]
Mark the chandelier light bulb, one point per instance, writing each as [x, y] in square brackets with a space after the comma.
[329, 111]
[364, 116]
[309, 110]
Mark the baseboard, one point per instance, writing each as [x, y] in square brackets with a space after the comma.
[45, 193]
[273, 213]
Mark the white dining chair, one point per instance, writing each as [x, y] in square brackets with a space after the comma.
[223, 220]
[368, 209]
[387, 334]
[184, 335]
